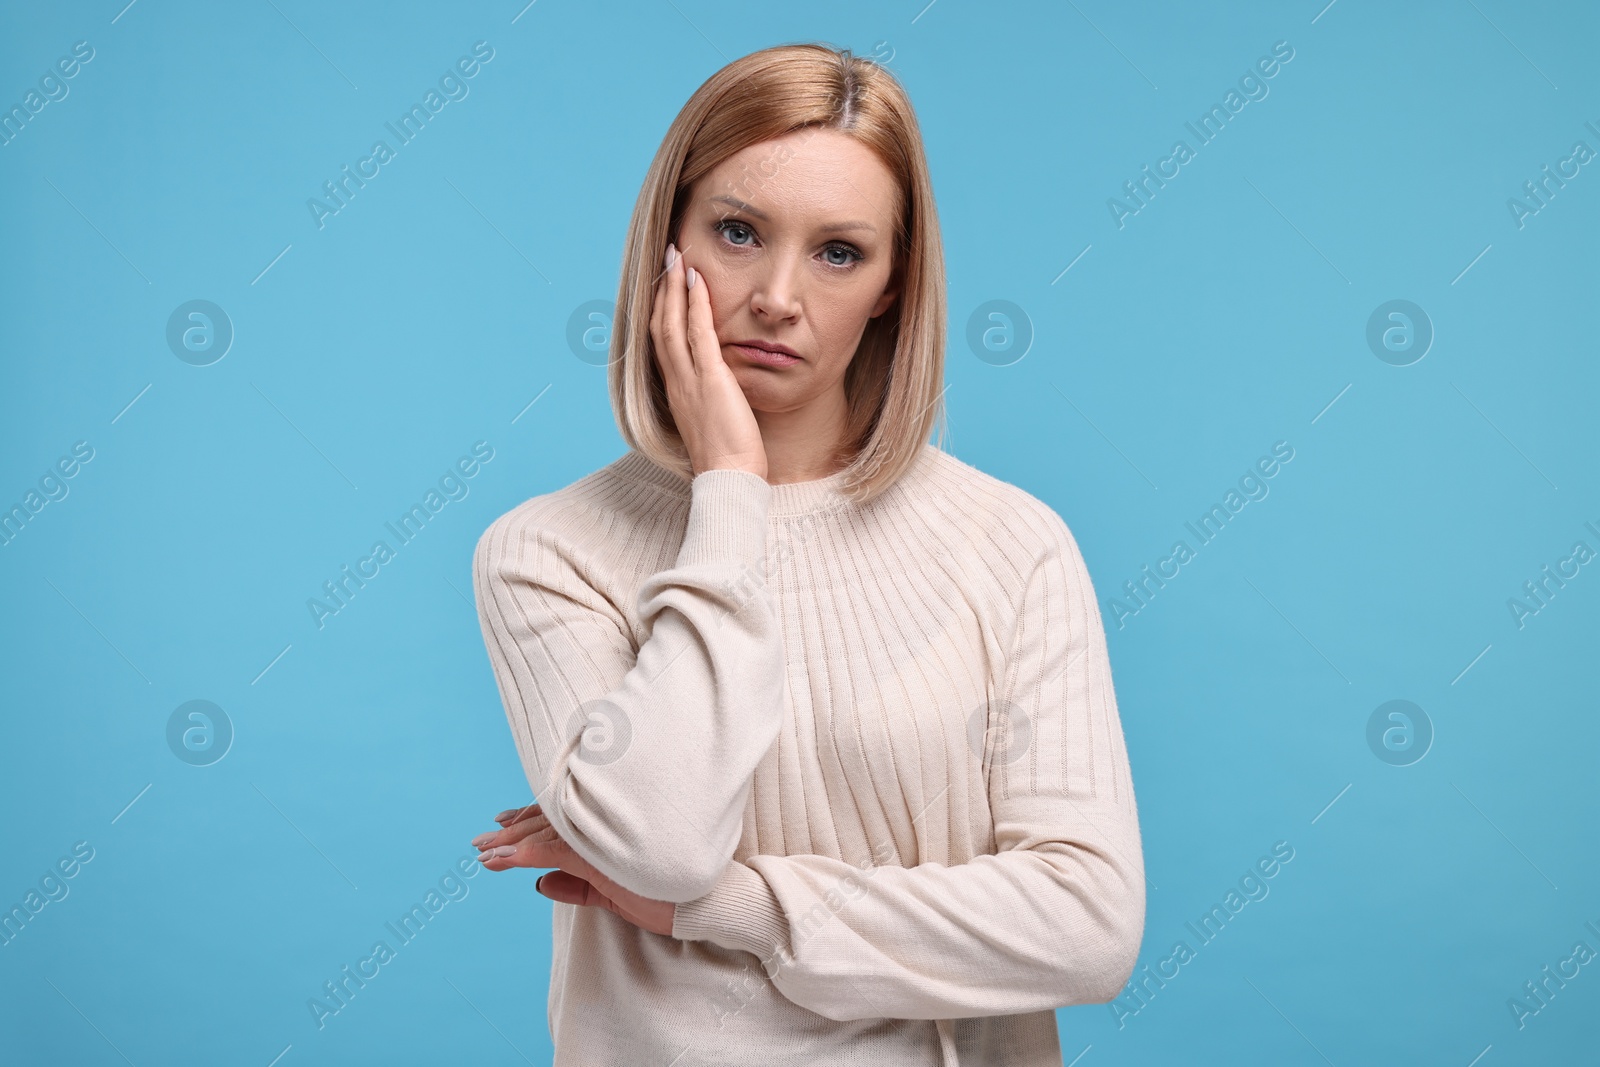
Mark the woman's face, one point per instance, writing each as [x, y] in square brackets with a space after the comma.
[794, 240]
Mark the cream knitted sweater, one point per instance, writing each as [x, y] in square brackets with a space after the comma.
[872, 753]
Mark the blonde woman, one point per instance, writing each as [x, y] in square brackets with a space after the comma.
[818, 718]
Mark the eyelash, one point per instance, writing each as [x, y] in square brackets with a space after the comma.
[856, 255]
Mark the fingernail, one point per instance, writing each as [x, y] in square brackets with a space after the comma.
[503, 850]
[668, 261]
[482, 839]
[691, 277]
[504, 815]
[537, 887]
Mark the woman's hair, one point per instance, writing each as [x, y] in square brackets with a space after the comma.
[894, 384]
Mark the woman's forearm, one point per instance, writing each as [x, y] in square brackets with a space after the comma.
[642, 762]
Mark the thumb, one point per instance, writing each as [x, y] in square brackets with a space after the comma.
[565, 888]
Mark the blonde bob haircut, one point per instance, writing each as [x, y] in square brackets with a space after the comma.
[894, 384]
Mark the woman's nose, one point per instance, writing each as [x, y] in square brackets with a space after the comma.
[777, 292]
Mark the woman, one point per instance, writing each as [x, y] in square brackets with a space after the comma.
[819, 719]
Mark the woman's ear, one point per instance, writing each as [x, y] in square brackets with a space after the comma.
[891, 292]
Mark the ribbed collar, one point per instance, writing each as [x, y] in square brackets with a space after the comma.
[790, 500]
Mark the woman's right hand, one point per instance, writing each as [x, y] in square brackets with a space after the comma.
[526, 839]
[714, 419]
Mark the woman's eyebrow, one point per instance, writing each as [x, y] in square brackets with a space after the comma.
[739, 205]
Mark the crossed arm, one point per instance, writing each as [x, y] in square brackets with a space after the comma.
[608, 736]
[1053, 917]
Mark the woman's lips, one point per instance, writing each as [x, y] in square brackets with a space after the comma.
[765, 357]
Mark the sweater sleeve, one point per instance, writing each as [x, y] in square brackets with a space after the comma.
[1053, 917]
[641, 757]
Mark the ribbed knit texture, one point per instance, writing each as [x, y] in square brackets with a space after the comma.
[872, 753]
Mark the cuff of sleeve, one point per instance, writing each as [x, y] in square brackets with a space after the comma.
[727, 518]
[740, 912]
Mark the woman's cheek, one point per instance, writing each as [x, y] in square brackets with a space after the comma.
[724, 294]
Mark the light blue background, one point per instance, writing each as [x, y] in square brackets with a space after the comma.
[1225, 316]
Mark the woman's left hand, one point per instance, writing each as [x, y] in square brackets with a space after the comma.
[528, 840]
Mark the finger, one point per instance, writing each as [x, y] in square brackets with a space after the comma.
[702, 328]
[511, 815]
[668, 332]
[528, 818]
[664, 346]
[570, 889]
[523, 823]
[493, 859]
[674, 314]
[658, 305]
[577, 891]
[531, 843]
[525, 853]
[537, 828]
[510, 835]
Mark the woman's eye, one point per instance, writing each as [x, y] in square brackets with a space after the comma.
[725, 228]
[850, 255]
[742, 236]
